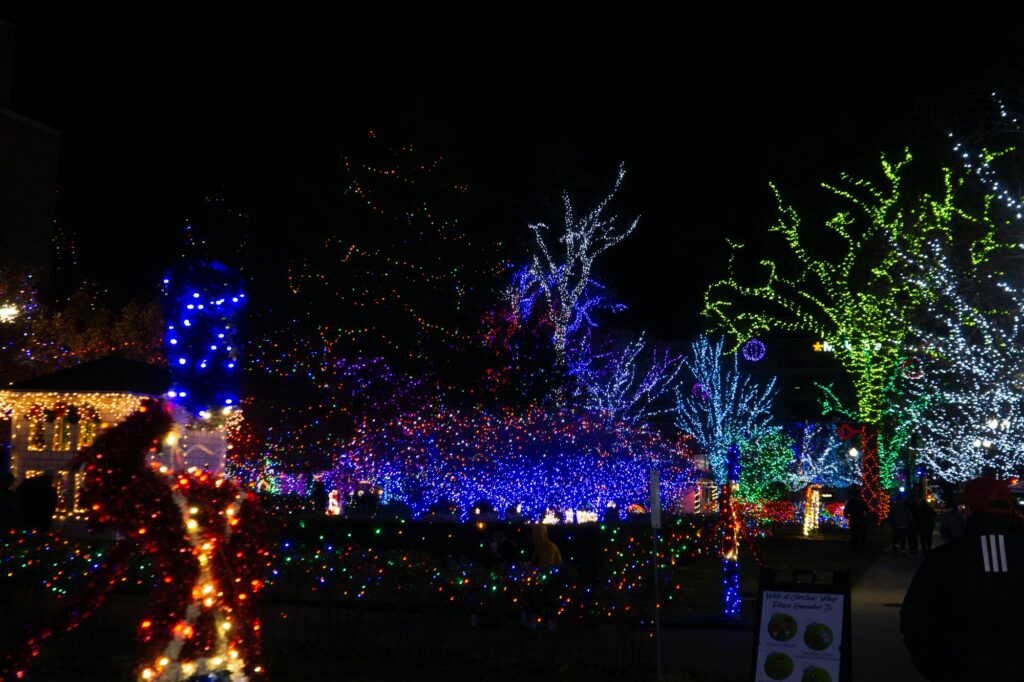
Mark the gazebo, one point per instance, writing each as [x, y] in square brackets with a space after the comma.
[54, 416]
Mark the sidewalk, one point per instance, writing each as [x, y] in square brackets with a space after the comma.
[878, 651]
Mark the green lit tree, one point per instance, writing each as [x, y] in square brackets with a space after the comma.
[846, 283]
[766, 464]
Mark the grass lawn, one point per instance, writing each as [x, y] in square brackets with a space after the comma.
[786, 549]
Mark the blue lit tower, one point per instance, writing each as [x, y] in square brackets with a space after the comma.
[202, 302]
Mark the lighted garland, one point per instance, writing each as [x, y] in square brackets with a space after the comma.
[856, 301]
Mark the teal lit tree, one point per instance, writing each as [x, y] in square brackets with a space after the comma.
[722, 409]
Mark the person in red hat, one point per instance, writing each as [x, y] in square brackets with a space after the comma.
[961, 617]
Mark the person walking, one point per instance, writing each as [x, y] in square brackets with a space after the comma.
[856, 514]
[924, 521]
[901, 523]
[951, 523]
[960, 618]
[912, 502]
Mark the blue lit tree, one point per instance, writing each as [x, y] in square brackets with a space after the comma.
[723, 408]
[624, 383]
[202, 302]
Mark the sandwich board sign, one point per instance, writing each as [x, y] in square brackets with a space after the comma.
[803, 629]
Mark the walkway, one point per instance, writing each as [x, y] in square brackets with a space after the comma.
[878, 651]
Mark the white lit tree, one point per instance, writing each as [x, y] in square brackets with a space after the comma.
[561, 263]
[822, 458]
[971, 355]
[994, 169]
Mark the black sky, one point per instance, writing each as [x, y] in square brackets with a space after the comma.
[705, 107]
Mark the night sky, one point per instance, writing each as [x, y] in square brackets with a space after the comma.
[156, 110]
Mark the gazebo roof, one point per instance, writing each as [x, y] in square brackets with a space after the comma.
[108, 374]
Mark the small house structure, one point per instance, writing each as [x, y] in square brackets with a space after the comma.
[53, 417]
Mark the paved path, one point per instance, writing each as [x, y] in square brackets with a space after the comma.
[878, 651]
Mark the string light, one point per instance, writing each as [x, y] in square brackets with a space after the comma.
[203, 301]
[537, 458]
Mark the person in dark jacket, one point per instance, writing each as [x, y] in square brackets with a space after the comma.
[961, 616]
[901, 522]
[856, 513]
[924, 520]
[951, 524]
